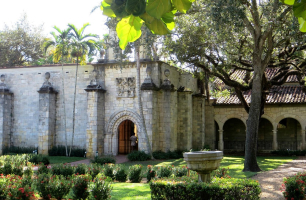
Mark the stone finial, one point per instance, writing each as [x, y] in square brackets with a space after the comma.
[47, 77]
[167, 83]
[47, 86]
[167, 73]
[102, 53]
[149, 71]
[94, 74]
[3, 87]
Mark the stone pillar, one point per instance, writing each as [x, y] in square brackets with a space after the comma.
[47, 116]
[275, 145]
[221, 143]
[149, 99]
[169, 109]
[95, 117]
[303, 139]
[110, 53]
[144, 48]
[6, 98]
[184, 107]
[198, 121]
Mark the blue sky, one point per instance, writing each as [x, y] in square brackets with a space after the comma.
[54, 13]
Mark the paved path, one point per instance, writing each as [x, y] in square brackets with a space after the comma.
[271, 181]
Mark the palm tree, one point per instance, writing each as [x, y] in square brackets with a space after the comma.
[81, 46]
[60, 42]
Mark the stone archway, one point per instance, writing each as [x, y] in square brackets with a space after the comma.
[111, 137]
[234, 132]
[289, 133]
[265, 135]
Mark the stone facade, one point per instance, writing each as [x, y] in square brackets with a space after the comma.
[174, 113]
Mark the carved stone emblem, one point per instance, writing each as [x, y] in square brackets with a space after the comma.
[126, 87]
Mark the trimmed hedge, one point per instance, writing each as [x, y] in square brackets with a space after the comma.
[168, 155]
[187, 189]
[138, 156]
[61, 151]
[288, 152]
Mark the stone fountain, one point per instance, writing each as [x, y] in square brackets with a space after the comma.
[203, 162]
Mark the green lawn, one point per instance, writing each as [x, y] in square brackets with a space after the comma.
[63, 159]
[234, 163]
[131, 191]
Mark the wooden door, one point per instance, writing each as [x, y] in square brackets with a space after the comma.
[126, 130]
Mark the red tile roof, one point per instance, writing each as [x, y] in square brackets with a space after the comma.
[277, 94]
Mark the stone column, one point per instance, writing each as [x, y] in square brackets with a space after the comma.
[275, 145]
[303, 139]
[169, 108]
[198, 121]
[95, 117]
[6, 98]
[221, 143]
[110, 53]
[47, 112]
[149, 99]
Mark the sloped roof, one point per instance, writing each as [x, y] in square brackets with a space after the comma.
[277, 94]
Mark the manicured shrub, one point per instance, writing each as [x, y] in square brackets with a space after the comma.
[120, 173]
[59, 186]
[151, 173]
[176, 154]
[180, 171]
[7, 169]
[103, 160]
[61, 151]
[36, 159]
[138, 156]
[18, 150]
[288, 152]
[164, 171]
[220, 173]
[81, 169]
[101, 187]
[295, 187]
[109, 170]
[80, 186]
[63, 169]
[43, 169]
[186, 188]
[135, 173]
[42, 185]
[160, 155]
[94, 170]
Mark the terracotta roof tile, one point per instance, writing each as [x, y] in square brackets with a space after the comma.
[277, 94]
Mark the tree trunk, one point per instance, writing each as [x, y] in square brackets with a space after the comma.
[73, 116]
[64, 108]
[250, 162]
[139, 100]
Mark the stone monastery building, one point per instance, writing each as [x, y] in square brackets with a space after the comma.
[177, 116]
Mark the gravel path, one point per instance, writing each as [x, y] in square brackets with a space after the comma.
[271, 181]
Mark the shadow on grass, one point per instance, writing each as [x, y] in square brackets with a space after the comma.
[130, 191]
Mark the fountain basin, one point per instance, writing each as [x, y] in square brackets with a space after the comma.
[203, 162]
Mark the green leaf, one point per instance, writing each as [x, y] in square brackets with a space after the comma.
[299, 9]
[147, 18]
[182, 5]
[158, 27]
[156, 8]
[118, 7]
[288, 2]
[128, 30]
[302, 24]
[168, 18]
[106, 8]
[109, 2]
[135, 7]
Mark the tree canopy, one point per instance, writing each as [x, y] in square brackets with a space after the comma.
[21, 44]
[223, 37]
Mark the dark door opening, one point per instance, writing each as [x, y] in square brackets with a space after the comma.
[126, 129]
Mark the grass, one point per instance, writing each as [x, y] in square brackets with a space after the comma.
[131, 191]
[63, 159]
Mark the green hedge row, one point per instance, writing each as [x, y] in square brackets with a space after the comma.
[288, 152]
[219, 188]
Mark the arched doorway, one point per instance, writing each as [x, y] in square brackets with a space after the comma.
[288, 130]
[234, 135]
[265, 135]
[125, 130]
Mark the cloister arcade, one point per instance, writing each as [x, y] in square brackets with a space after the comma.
[285, 131]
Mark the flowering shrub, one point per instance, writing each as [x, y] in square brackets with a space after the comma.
[43, 169]
[63, 169]
[120, 173]
[135, 173]
[81, 169]
[180, 171]
[109, 170]
[295, 187]
[94, 170]
[151, 173]
[59, 186]
[80, 186]
[100, 187]
[13, 187]
[219, 188]
[164, 171]
[220, 172]
[42, 185]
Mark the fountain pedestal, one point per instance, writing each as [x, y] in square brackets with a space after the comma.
[203, 162]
